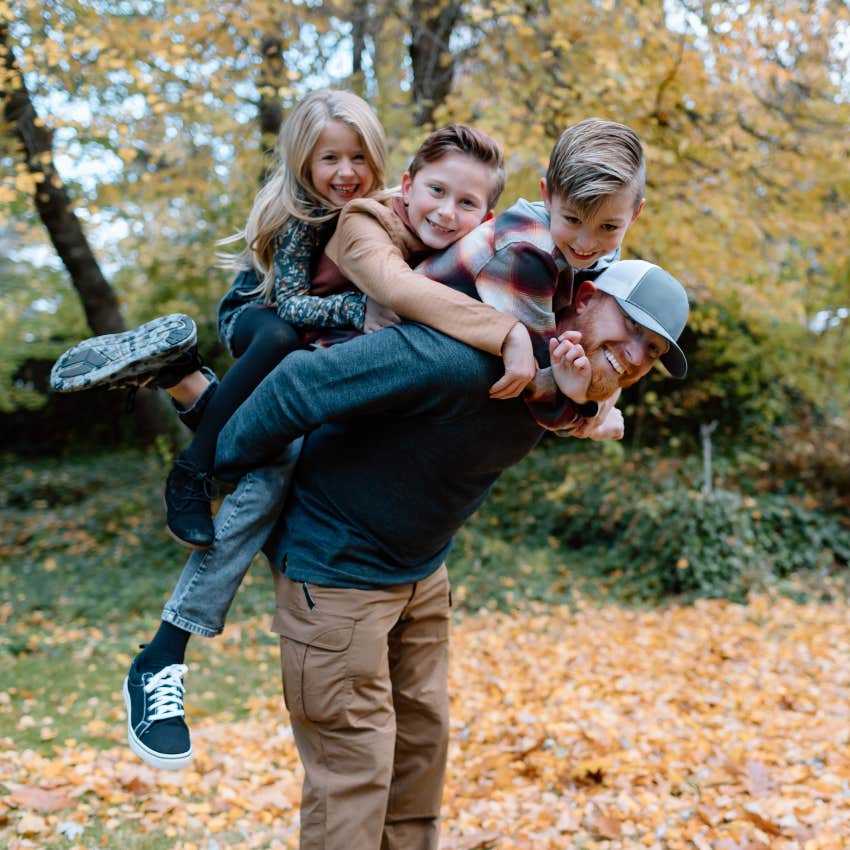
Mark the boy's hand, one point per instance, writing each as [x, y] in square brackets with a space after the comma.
[607, 425]
[570, 366]
[377, 316]
[520, 365]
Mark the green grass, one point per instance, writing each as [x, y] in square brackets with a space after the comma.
[86, 565]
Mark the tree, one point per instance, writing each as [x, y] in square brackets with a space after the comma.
[431, 58]
[50, 198]
[63, 227]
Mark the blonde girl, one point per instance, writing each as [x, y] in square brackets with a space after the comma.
[331, 150]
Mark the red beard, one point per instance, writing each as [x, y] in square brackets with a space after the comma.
[604, 381]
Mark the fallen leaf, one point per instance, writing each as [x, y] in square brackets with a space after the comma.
[37, 799]
[607, 826]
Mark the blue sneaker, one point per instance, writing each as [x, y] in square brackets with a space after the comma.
[156, 730]
[156, 354]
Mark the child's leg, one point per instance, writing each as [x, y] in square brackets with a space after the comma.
[160, 354]
[262, 340]
[153, 689]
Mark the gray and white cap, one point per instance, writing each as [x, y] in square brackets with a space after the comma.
[654, 299]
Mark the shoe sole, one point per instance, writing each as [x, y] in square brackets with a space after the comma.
[110, 360]
[163, 761]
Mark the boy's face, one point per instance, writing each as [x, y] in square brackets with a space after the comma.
[447, 198]
[585, 239]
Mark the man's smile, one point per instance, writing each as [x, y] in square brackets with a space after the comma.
[612, 359]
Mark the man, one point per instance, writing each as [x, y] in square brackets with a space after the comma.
[389, 471]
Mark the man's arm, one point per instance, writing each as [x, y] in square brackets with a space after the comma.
[406, 369]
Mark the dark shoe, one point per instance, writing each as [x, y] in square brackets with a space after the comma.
[188, 492]
[156, 730]
[156, 354]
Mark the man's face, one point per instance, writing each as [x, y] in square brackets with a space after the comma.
[584, 239]
[620, 350]
[447, 198]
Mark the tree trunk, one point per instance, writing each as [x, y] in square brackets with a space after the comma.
[433, 22]
[99, 301]
[270, 108]
[360, 29]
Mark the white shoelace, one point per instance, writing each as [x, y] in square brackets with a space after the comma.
[165, 692]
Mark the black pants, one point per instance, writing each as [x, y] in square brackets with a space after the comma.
[261, 339]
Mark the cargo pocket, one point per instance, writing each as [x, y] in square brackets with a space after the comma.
[314, 661]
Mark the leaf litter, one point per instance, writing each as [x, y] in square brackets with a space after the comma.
[716, 725]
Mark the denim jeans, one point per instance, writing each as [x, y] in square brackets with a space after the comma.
[209, 581]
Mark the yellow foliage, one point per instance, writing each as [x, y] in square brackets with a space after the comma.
[713, 725]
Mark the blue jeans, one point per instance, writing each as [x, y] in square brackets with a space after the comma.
[209, 581]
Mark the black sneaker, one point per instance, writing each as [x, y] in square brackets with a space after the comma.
[156, 354]
[188, 492]
[156, 730]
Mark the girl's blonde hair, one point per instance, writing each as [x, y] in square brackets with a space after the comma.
[289, 191]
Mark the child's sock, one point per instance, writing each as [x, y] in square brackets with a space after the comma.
[167, 647]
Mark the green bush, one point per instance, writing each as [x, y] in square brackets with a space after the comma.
[688, 543]
[639, 526]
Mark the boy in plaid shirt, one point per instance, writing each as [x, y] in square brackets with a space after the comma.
[530, 259]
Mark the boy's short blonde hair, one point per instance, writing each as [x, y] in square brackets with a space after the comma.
[593, 160]
[460, 138]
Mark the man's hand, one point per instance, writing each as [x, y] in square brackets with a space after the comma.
[377, 316]
[520, 366]
[570, 365]
[607, 425]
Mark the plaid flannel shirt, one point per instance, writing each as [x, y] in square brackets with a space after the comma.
[513, 264]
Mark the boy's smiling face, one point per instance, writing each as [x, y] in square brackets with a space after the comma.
[447, 198]
[583, 239]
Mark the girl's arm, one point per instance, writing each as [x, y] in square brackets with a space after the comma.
[297, 251]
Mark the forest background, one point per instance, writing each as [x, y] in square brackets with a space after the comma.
[135, 134]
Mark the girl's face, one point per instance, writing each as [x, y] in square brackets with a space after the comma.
[339, 167]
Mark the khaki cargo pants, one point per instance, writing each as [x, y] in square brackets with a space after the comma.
[365, 679]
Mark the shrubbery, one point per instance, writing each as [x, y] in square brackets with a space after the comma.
[642, 526]
[683, 541]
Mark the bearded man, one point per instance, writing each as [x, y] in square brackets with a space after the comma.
[403, 444]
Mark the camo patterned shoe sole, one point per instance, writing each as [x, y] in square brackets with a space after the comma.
[128, 359]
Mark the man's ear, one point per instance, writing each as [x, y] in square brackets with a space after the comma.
[583, 297]
[406, 183]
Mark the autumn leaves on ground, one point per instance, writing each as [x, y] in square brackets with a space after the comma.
[710, 726]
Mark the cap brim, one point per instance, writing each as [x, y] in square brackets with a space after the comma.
[674, 359]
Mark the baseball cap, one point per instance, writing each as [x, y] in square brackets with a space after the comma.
[654, 299]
